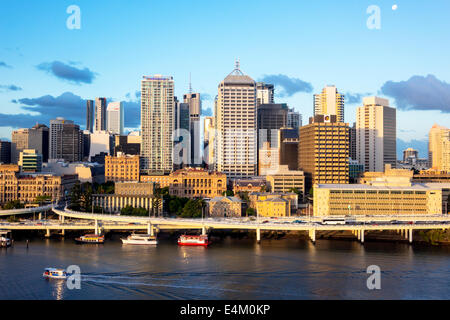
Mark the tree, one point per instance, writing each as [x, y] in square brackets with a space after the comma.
[42, 199]
[192, 209]
[228, 193]
[86, 197]
[250, 212]
[11, 205]
[311, 191]
[75, 197]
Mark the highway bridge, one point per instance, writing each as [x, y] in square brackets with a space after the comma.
[359, 226]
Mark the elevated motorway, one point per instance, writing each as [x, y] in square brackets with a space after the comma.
[26, 210]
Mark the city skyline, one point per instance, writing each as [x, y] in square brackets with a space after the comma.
[51, 80]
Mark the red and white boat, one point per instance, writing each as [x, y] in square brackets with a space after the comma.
[186, 240]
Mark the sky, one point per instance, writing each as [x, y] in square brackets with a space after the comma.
[48, 68]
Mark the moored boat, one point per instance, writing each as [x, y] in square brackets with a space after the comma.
[91, 238]
[140, 239]
[5, 241]
[53, 273]
[188, 240]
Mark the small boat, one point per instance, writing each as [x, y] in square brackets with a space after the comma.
[5, 241]
[187, 240]
[53, 273]
[91, 238]
[140, 239]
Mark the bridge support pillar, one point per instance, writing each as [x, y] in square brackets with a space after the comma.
[40, 215]
[47, 233]
[149, 229]
[96, 227]
[62, 219]
[362, 236]
[204, 231]
[63, 232]
[312, 235]
[258, 235]
[358, 233]
[410, 235]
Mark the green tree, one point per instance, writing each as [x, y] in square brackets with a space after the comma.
[86, 197]
[192, 209]
[75, 197]
[250, 212]
[311, 192]
[42, 199]
[228, 193]
[127, 211]
[11, 205]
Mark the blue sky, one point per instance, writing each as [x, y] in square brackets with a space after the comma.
[47, 69]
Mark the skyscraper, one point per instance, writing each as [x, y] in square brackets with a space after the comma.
[195, 109]
[264, 93]
[183, 125]
[376, 126]
[66, 140]
[36, 138]
[157, 120]
[100, 114]
[235, 122]
[329, 102]
[294, 119]
[208, 141]
[90, 115]
[439, 148]
[115, 117]
[5, 152]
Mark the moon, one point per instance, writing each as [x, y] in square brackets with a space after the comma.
[394, 7]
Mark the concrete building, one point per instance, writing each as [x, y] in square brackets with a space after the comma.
[270, 118]
[235, 121]
[376, 137]
[195, 109]
[127, 145]
[208, 141]
[284, 180]
[122, 168]
[291, 197]
[30, 161]
[90, 115]
[134, 194]
[66, 141]
[409, 155]
[5, 152]
[100, 114]
[439, 148]
[352, 142]
[183, 139]
[225, 207]
[26, 187]
[294, 119]
[264, 93]
[36, 138]
[115, 118]
[85, 171]
[288, 142]
[323, 151]
[329, 102]
[268, 159]
[249, 185]
[355, 170]
[157, 121]
[273, 207]
[102, 144]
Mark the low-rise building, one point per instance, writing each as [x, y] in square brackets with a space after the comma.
[249, 185]
[225, 207]
[86, 171]
[432, 176]
[284, 180]
[122, 168]
[261, 196]
[273, 207]
[30, 161]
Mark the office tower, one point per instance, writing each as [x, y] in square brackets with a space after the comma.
[157, 120]
[86, 144]
[294, 119]
[352, 142]
[124, 145]
[90, 115]
[5, 152]
[288, 141]
[19, 142]
[30, 161]
[66, 140]
[438, 148]
[100, 114]
[268, 159]
[323, 150]
[183, 140]
[236, 143]
[101, 145]
[410, 154]
[39, 140]
[208, 141]
[115, 117]
[264, 93]
[376, 134]
[195, 109]
[329, 102]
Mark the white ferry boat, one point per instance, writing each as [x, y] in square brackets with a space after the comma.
[5, 241]
[91, 238]
[140, 239]
[53, 273]
[186, 240]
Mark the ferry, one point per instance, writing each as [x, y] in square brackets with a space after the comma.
[186, 240]
[91, 238]
[5, 241]
[53, 273]
[140, 239]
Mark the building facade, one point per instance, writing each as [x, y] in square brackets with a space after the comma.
[264, 93]
[157, 121]
[66, 141]
[100, 114]
[90, 115]
[439, 148]
[115, 118]
[284, 180]
[122, 168]
[195, 109]
[288, 142]
[273, 207]
[376, 137]
[329, 102]
[30, 161]
[225, 207]
[5, 152]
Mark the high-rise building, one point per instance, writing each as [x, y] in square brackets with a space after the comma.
[438, 148]
[264, 93]
[157, 120]
[19, 142]
[36, 138]
[376, 137]
[183, 142]
[90, 115]
[30, 161]
[323, 150]
[235, 122]
[115, 117]
[294, 119]
[125, 145]
[271, 117]
[288, 141]
[5, 152]
[195, 109]
[410, 154]
[329, 102]
[208, 140]
[100, 114]
[66, 140]
[352, 142]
